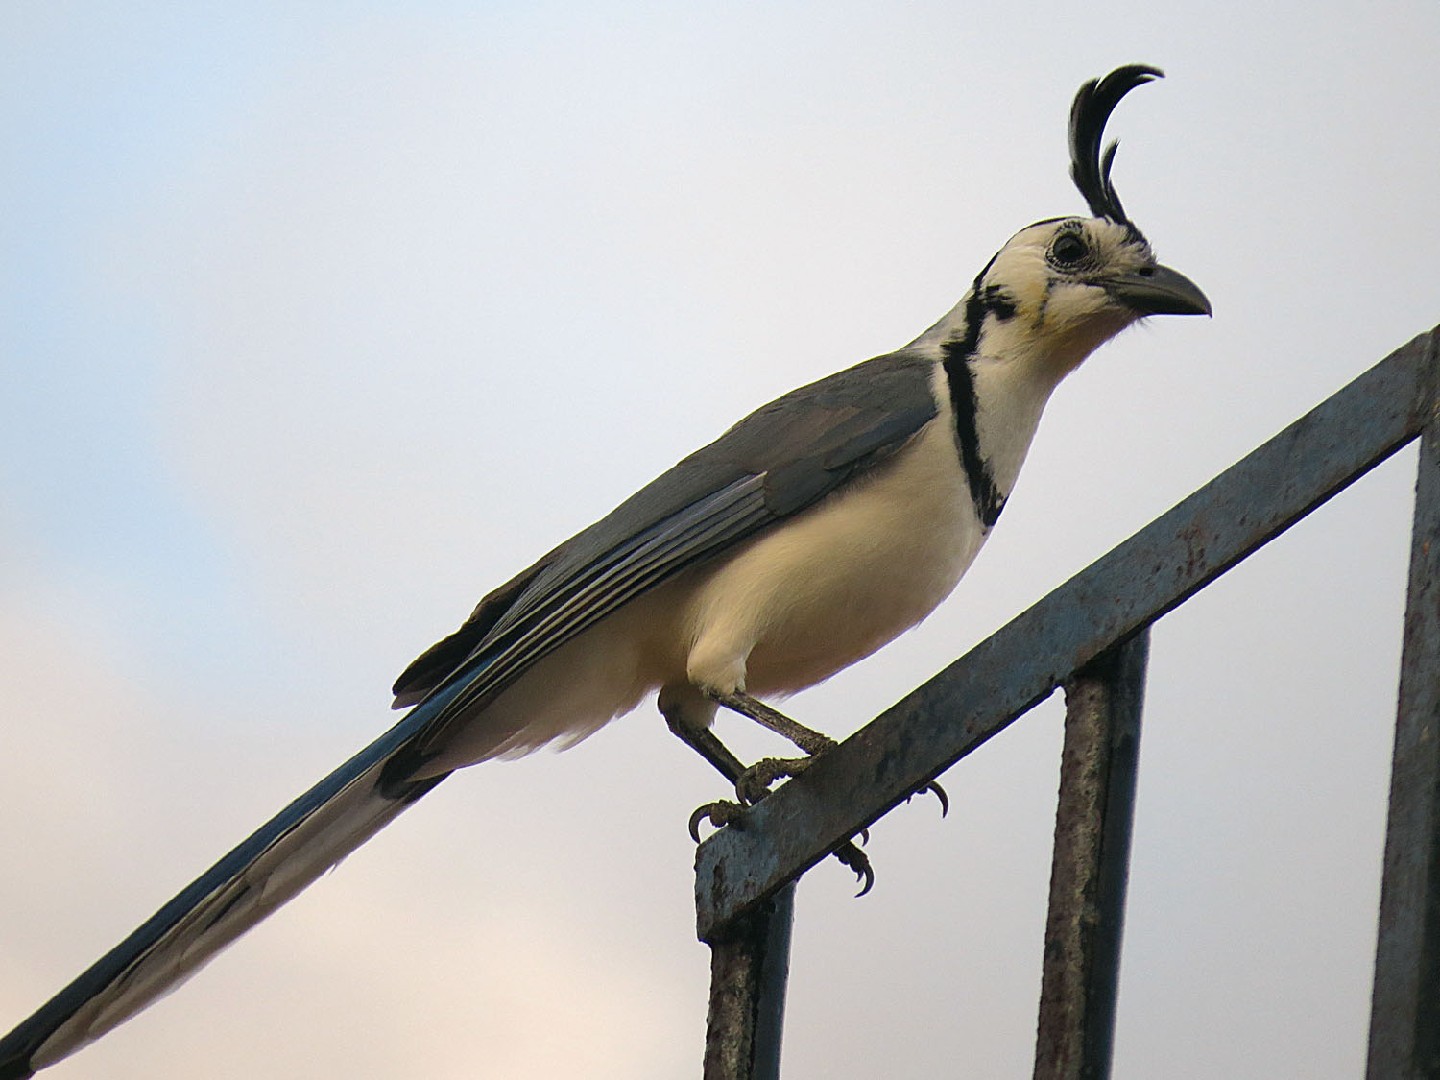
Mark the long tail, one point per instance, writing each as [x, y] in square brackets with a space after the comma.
[273, 865]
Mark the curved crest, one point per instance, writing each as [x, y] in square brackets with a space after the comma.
[1094, 102]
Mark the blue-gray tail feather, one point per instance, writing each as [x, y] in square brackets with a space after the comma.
[271, 866]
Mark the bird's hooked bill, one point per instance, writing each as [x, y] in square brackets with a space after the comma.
[1158, 290]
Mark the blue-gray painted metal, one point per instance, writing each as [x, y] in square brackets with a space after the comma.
[1020, 665]
[1090, 869]
[749, 966]
[774, 976]
[1405, 1008]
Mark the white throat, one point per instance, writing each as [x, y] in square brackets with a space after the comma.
[1009, 398]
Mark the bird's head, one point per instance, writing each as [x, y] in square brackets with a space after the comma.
[1063, 286]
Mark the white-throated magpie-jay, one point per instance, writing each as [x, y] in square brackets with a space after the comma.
[807, 536]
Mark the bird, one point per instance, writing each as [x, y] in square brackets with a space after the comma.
[811, 533]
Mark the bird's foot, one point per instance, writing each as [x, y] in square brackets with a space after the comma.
[939, 792]
[857, 861]
[723, 813]
[754, 783]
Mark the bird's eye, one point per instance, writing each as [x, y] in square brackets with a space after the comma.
[1069, 249]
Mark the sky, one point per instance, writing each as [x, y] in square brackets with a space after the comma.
[319, 321]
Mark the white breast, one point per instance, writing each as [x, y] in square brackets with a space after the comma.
[838, 581]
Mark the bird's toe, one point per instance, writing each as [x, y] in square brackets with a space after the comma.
[754, 783]
[859, 863]
[719, 814]
[934, 788]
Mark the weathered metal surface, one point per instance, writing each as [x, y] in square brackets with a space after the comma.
[980, 694]
[1405, 1008]
[749, 964]
[1091, 862]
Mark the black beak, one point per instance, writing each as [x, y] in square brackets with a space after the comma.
[1157, 290]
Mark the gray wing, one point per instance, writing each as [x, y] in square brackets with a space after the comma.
[776, 462]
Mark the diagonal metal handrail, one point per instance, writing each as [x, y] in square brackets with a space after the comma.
[1019, 666]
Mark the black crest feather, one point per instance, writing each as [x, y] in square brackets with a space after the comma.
[1094, 102]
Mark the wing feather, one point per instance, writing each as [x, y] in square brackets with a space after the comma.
[776, 462]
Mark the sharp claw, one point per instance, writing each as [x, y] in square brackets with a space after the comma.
[701, 814]
[864, 837]
[934, 786]
[719, 814]
[856, 861]
[939, 792]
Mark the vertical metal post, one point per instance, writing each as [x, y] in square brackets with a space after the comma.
[1405, 1007]
[1091, 863]
[749, 964]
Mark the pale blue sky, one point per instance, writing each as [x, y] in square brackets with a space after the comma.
[319, 321]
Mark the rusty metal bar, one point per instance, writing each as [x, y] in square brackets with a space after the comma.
[1020, 665]
[1091, 862]
[749, 965]
[1405, 1007]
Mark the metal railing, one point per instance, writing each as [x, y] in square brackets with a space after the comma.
[1091, 636]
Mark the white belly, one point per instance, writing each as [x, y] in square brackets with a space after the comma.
[837, 582]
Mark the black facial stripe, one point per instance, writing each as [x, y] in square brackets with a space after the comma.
[998, 301]
[961, 380]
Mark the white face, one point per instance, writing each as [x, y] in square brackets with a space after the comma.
[1056, 291]
[1049, 296]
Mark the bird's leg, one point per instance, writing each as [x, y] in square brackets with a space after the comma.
[811, 741]
[754, 784]
[756, 781]
[705, 743]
